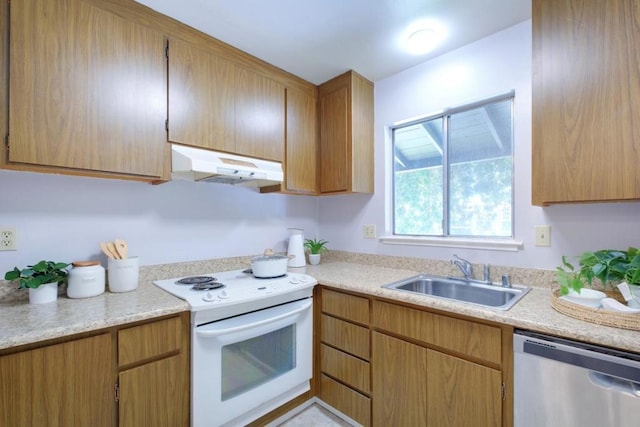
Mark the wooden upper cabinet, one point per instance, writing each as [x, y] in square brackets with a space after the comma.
[219, 105]
[260, 108]
[87, 90]
[586, 101]
[301, 141]
[346, 135]
[201, 98]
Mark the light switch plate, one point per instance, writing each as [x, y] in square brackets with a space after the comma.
[543, 235]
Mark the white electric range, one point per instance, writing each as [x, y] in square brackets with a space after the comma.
[216, 296]
[251, 348]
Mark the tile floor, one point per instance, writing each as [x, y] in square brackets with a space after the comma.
[316, 416]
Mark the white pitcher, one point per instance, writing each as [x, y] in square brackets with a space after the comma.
[296, 247]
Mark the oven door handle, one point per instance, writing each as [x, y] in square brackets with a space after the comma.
[219, 332]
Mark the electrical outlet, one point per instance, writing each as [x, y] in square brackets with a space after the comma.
[8, 240]
[369, 231]
[543, 235]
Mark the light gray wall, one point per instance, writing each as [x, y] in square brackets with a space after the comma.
[63, 218]
[491, 66]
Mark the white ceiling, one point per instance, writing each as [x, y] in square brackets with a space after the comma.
[319, 39]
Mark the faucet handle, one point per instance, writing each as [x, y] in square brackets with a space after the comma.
[486, 273]
[506, 282]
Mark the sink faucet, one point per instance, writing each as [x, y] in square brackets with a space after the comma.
[465, 266]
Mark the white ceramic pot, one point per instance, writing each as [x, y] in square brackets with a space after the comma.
[43, 294]
[267, 266]
[314, 259]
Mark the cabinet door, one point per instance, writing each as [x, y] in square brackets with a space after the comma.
[334, 140]
[301, 142]
[155, 395]
[67, 384]
[586, 101]
[87, 89]
[260, 130]
[462, 393]
[201, 98]
[399, 382]
[346, 134]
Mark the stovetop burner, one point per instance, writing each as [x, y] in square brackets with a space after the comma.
[194, 280]
[201, 283]
[207, 286]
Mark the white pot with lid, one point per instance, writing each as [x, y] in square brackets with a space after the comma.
[86, 279]
[269, 265]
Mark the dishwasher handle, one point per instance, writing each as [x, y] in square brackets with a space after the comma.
[609, 382]
[580, 356]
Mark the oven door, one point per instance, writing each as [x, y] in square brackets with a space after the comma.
[245, 366]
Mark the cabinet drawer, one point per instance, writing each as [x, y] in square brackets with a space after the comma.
[458, 335]
[149, 340]
[346, 368]
[346, 306]
[347, 401]
[346, 336]
[467, 337]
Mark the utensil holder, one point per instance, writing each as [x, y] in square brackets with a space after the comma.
[122, 274]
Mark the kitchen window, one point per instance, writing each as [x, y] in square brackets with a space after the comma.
[453, 172]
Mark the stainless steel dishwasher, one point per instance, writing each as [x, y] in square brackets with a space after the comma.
[559, 382]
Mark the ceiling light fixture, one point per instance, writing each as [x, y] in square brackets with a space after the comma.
[422, 37]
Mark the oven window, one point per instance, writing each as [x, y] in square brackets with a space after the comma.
[251, 363]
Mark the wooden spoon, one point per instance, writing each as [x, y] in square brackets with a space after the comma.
[105, 250]
[121, 248]
[112, 248]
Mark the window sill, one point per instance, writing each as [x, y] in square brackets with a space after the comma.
[454, 242]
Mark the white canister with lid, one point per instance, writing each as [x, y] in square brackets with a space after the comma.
[86, 279]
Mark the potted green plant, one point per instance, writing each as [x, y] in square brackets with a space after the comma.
[42, 280]
[606, 265]
[315, 248]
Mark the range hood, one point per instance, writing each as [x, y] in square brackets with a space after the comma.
[196, 164]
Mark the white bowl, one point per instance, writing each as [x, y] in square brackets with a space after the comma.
[635, 292]
[586, 297]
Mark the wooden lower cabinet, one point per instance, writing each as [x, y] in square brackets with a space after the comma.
[344, 352]
[130, 375]
[399, 382]
[462, 393]
[65, 384]
[346, 400]
[416, 386]
[411, 366]
[149, 393]
[153, 379]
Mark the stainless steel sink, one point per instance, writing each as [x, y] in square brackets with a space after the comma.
[469, 291]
